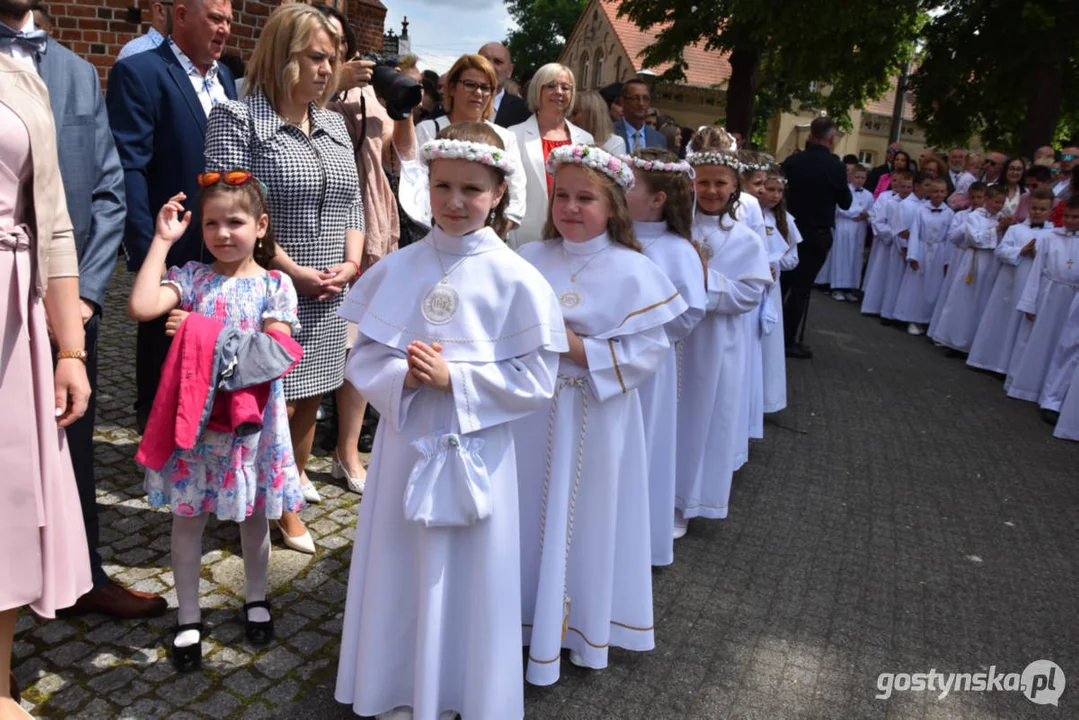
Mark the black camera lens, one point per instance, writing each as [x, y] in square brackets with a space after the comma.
[401, 93]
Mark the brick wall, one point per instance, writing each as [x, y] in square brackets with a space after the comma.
[97, 29]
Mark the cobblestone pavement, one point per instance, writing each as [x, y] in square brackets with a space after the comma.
[902, 516]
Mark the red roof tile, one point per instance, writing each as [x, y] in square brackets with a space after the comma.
[706, 67]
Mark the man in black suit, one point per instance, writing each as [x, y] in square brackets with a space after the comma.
[816, 184]
[510, 109]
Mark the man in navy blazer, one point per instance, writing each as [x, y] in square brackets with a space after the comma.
[636, 102]
[158, 102]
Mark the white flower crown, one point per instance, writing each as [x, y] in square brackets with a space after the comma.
[466, 150]
[680, 166]
[591, 157]
[714, 158]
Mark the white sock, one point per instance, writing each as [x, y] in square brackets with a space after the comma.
[186, 562]
[255, 541]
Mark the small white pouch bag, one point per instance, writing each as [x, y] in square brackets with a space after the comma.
[449, 485]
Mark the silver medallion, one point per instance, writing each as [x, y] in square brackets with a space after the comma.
[570, 299]
[440, 304]
[706, 251]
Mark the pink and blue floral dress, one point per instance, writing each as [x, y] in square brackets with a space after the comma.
[225, 474]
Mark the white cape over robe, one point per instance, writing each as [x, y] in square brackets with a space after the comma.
[919, 288]
[973, 271]
[1065, 360]
[432, 613]
[875, 269]
[903, 219]
[586, 559]
[843, 268]
[711, 419]
[999, 326]
[1048, 295]
[661, 395]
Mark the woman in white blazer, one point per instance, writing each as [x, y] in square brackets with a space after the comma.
[551, 96]
[470, 87]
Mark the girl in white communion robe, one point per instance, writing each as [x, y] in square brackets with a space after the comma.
[458, 336]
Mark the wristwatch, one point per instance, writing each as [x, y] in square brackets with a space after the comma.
[72, 355]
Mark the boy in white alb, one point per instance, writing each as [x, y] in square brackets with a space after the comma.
[880, 256]
[976, 198]
[903, 222]
[844, 267]
[999, 327]
[975, 269]
[926, 255]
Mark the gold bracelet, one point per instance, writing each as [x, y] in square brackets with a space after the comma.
[72, 355]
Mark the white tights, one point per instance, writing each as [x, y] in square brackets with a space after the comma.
[187, 562]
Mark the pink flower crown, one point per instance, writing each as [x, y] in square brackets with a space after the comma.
[466, 150]
[591, 157]
[681, 166]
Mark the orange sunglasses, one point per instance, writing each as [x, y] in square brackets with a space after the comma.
[230, 177]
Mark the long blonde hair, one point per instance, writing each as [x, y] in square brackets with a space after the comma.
[619, 224]
[274, 68]
[595, 117]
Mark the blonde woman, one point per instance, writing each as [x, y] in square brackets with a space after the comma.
[304, 156]
[592, 115]
[471, 85]
[552, 94]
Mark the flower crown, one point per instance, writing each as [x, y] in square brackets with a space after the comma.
[764, 166]
[466, 150]
[714, 158]
[681, 166]
[591, 157]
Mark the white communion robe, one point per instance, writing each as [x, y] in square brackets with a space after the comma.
[586, 557]
[749, 213]
[711, 419]
[975, 268]
[873, 281]
[919, 288]
[660, 395]
[843, 268]
[955, 239]
[1068, 424]
[998, 329]
[1062, 365]
[433, 611]
[1048, 295]
[782, 256]
[903, 218]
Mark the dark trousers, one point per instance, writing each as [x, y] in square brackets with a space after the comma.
[797, 284]
[151, 348]
[80, 441]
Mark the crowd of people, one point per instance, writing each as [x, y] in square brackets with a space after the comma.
[978, 254]
[570, 316]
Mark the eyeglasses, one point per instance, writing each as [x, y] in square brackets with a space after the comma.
[472, 87]
[637, 98]
[564, 87]
[991, 162]
[230, 177]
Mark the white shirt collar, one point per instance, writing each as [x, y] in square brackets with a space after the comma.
[588, 247]
[498, 99]
[18, 52]
[188, 66]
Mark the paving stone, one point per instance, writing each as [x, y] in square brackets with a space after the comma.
[111, 680]
[218, 705]
[277, 662]
[245, 683]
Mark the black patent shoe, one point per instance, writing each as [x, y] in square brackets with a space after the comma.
[258, 633]
[187, 659]
[1050, 416]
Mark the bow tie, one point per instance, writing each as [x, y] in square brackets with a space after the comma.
[1037, 225]
[33, 42]
[936, 209]
[859, 189]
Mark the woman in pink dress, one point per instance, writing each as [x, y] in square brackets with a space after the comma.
[43, 557]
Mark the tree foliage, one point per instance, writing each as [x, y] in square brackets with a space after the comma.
[824, 54]
[1004, 70]
[543, 27]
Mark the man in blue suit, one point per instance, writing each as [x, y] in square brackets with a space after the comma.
[158, 102]
[94, 189]
[636, 102]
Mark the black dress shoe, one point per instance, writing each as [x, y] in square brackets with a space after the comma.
[258, 633]
[1050, 416]
[14, 685]
[799, 352]
[187, 659]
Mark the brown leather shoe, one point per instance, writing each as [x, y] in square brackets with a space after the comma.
[15, 694]
[118, 602]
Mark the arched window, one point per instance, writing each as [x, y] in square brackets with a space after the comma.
[599, 69]
[585, 68]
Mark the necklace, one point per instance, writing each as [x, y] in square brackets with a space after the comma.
[440, 303]
[573, 296]
[573, 275]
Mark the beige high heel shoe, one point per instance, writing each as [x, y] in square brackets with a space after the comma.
[301, 543]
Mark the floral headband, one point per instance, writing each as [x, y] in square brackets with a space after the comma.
[714, 158]
[466, 150]
[680, 166]
[591, 157]
[764, 166]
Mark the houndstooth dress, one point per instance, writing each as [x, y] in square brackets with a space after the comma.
[313, 195]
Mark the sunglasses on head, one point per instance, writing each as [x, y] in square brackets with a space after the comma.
[1068, 158]
[230, 177]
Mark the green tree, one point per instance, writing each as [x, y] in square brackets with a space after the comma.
[1001, 70]
[823, 54]
[543, 27]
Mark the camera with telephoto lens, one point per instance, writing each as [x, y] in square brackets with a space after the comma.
[400, 92]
